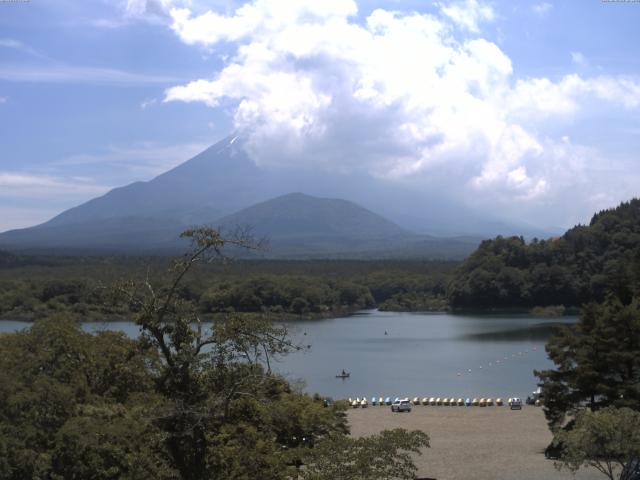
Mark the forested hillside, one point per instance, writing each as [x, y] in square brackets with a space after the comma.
[583, 265]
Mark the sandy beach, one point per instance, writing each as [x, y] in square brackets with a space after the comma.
[472, 442]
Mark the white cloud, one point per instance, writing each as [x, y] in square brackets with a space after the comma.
[540, 97]
[468, 14]
[258, 17]
[542, 9]
[108, 23]
[150, 102]
[4, 99]
[149, 10]
[142, 160]
[579, 59]
[20, 46]
[30, 185]
[398, 96]
[49, 70]
[57, 73]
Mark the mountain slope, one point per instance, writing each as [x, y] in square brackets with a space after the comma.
[206, 185]
[299, 224]
[299, 215]
[210, 187]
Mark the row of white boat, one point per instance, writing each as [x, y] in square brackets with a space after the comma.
[434, 401]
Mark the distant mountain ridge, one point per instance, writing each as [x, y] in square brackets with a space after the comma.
[296, 226]
[222, 185]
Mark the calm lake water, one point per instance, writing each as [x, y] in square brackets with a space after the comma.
[438, 354]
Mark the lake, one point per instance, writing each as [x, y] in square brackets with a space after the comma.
[422, 354]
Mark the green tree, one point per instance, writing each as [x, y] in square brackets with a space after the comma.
[585, 264]
[384, 456]
[182, 401]
[222, 414]
[607, 440]
[74, 402]
[597, 362]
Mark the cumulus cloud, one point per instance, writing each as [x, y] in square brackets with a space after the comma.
[398, 95]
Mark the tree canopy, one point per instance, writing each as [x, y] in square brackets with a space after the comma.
[607, 440]
[585, 264]
[182, 401]
[597, 362]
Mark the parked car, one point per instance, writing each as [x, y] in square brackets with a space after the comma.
[515, 404]
[401, 405]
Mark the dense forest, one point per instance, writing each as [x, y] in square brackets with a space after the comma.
[585, 264]
[31, 287]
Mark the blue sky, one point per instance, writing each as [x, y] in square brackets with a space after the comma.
[525, 108]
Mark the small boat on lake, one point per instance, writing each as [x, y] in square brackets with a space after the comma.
[343, 374]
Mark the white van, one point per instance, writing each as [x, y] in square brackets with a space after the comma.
[401, 405]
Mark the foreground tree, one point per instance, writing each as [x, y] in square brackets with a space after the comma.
[227, 415]
[75, 405]
[384, 456]
[183, 401]
[224, 415]
[607, 440]
[597, 362]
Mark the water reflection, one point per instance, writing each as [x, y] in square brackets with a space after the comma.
[540, 332]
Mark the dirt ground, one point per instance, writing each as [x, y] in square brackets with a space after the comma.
[472, 442]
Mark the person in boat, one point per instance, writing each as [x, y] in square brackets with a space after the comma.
[344, 374]
[385, 332]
